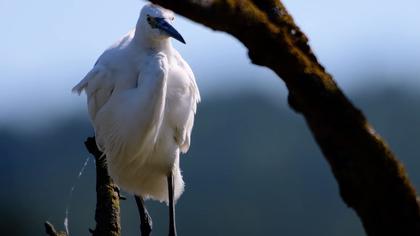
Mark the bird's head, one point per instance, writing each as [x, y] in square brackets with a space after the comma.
[155, 22]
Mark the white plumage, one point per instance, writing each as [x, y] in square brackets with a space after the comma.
[142, 98]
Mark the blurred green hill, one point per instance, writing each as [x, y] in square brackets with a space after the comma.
[253, 169]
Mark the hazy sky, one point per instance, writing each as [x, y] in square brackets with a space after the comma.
[47, 46]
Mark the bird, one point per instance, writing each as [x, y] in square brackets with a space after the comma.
[142, 99]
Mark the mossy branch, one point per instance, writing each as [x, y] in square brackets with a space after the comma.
[371, 180]
[107, 213]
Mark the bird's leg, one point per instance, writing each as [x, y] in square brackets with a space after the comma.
[146, 223]
[172, 225]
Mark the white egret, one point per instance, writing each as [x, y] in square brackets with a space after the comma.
[142, 98]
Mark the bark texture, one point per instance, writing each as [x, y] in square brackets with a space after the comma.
[107, 213]
[370, 178]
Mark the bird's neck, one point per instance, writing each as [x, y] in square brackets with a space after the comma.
[159, 44]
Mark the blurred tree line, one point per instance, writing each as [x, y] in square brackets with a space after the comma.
[253, 169]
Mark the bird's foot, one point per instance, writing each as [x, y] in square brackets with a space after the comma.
[118, 190]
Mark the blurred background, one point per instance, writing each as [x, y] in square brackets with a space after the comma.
[253, 168]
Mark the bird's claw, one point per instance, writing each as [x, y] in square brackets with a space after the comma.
[120, 196]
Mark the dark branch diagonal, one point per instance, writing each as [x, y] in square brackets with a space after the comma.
[371, 180]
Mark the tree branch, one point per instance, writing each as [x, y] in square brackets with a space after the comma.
[370, 178]
[50, 230]
[107, 213]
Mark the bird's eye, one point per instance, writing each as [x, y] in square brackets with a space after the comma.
[148, 18]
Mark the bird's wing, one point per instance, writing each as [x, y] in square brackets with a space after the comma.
[98, 86]
[185, 114]
[128, 124]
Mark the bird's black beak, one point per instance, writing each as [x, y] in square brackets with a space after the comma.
[163, 25]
